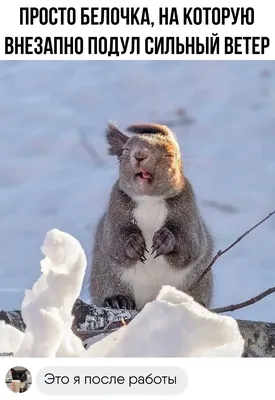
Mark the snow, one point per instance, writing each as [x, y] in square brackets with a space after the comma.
[173, 325]
[11, 338]
[47, 307]
[47, 179]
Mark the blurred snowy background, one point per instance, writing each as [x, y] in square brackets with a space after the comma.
[223, 114]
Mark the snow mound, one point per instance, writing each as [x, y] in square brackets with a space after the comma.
[173, 325]
[47, 308]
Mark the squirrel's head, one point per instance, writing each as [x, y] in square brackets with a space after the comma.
[150, 160]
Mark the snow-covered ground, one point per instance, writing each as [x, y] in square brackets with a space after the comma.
[48, 180]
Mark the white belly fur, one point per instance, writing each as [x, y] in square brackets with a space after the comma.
[147, 279]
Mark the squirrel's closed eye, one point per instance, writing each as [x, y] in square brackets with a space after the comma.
[169, 155]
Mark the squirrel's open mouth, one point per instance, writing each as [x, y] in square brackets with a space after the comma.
[145, 175]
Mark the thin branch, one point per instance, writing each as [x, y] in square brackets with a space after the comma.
[221, 252]
[90, 149]
[250, 352]
[246, 303]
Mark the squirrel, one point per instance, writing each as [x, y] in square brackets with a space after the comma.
[152, 233]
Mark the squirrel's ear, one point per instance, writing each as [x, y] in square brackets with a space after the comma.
[116, 140]
[150, 129]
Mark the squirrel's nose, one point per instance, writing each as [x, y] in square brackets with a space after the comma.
[140, 155]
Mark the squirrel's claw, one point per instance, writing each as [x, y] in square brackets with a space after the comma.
[120, 302]
[163, 242]
[143, 259]
[155, 250]
[135, 247]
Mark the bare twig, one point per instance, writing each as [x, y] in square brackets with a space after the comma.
[221, 252]
[90, 149]
[246, 303]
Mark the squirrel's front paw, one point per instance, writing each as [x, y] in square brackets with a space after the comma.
[164, 242]
[135, 247]
[120, 302]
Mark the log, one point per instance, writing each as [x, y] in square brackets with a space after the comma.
[91, 321]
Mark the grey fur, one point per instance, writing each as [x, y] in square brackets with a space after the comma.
[184, 240]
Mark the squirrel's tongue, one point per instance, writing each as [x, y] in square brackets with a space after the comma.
[145, 175]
